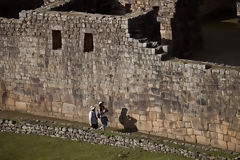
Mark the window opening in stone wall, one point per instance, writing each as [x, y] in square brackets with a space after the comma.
[11, 8]
[56, 40]
[128, 8]
[155, 11]
[88, 42]
[110, 7]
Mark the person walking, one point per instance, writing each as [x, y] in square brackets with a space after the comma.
[101, 114]
[93, 121]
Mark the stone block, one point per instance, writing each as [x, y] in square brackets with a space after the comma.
[191, 139]
[155, 109]
[68, 116]
[203, 140]
[197, 132]
[231, 146]
[197, 124]
[179, 137]
[188, 125]
[180, 124]
[21, 106]
[173, 117]
[143, 118]
[157, 123]
[169, 124]
[221, 128]
[171, 136]
[68, 98]
[180, 131]
[213, 135]
[220, 136]
[232, 133]
[136, 116]
[145, 125]
[238, 135]
[68, 108]
[160, 116]
[162, 132]
[57, 107]
[219, 144]
[226, 138]
[206, 134]
[190, 131]
[188, 118]
[238, 148]
[212, 127]
[152, 116]
[9, 102]
[155, 129]
[234, 140]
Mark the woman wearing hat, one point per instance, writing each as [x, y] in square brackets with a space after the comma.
[93, 121]
[102, 115]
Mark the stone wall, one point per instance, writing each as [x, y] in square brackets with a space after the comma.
[46, 2]
[191, 102]
[238, 8]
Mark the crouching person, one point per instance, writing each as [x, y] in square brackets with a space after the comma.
[93, 121]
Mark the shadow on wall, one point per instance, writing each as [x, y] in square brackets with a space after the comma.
[127, 121]
[221, 36]
[186, 28]
[145, 27]
[11, 8]
[110, 7]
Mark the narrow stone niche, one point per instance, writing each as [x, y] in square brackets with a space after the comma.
[155, 11]
[88, 42]
[56, 39]
[11, 8]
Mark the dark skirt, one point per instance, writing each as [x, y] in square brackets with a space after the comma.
[104, 120]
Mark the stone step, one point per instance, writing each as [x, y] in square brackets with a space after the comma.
[152, 44]
[164, 56]
[161, 49]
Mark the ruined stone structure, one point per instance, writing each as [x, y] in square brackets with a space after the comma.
[59, 59]
[238, 8]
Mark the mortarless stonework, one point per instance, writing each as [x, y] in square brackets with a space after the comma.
[178, 100]
[238, 8]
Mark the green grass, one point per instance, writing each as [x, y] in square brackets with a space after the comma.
[28, 147]
[212, 153]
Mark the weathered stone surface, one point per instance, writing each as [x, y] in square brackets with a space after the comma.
[68, 108]
[21, 106]
[203, 140]
[219, 144]
[238, 8]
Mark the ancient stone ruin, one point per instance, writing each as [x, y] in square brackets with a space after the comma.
[58, 57]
